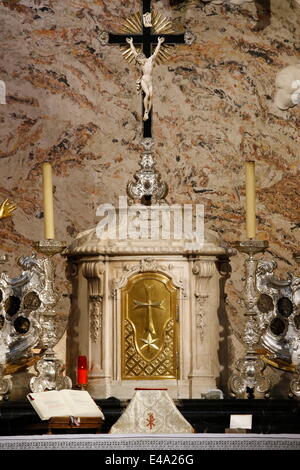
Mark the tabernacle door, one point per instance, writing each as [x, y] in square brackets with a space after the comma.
[149, 347]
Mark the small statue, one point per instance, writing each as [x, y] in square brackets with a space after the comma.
[145, 82]
[288, 87]
[6, 209]
[147, 20]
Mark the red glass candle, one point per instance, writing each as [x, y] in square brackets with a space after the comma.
[82, 370]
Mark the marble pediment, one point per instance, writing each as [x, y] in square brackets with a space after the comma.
[88, 243]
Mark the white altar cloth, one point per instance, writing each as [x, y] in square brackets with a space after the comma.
[162, 442]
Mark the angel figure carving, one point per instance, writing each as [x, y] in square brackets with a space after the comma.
[288, 87]
[6, 209]
[145, 81]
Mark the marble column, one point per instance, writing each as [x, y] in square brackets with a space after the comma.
[205, 366]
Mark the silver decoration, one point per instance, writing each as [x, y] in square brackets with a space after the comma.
[148, 143]
[280, 321]
[286, 341]
[49, 368]
[292, 291]
[147, 184]
[249, 379]
[16, 342]
[189, 38]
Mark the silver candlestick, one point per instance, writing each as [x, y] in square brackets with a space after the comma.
[249, 379]
[50, 369]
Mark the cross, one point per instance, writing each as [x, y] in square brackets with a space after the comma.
[146, 39]
[149, 304]
[151, 421]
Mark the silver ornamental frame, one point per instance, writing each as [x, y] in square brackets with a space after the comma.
[36, 295]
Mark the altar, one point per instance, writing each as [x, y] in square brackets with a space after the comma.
[147, 278]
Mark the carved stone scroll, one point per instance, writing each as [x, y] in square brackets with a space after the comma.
[93, 271]
[203, 272]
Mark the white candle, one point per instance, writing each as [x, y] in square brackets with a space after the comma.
[250, 200]
[48, 202]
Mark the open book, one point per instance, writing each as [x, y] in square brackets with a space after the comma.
[77, 403]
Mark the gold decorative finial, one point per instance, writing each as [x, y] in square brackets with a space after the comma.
[160, 25]
[6, 209]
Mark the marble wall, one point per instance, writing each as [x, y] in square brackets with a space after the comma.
[73, 102]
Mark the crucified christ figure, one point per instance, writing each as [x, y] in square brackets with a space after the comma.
[145, 82]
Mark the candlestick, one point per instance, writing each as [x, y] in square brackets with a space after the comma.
[49, 367]
[250, 200]
[249, 379]
[48, 202]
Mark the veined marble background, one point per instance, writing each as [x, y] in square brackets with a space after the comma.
[73, 102]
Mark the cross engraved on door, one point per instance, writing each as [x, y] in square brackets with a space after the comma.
[149, 304]
[149, 327]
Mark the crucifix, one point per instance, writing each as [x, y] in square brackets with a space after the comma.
[143, 36]
[149, 305]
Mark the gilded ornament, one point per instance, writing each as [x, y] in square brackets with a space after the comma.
[6, 209]
[150, 327]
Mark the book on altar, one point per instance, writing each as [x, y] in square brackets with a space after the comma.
[77, 403]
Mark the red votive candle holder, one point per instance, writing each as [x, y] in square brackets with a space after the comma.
[81, 370]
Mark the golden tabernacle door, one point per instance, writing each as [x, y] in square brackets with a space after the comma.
[149, 348]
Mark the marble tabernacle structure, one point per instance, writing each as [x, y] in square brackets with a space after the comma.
[147, 313]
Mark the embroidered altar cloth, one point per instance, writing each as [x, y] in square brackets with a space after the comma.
[150, 412]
